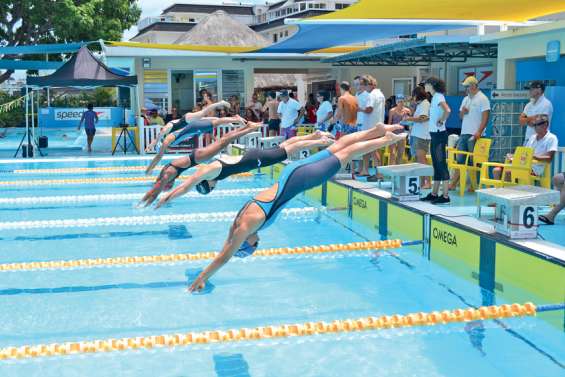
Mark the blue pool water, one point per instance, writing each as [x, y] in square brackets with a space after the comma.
[114, 302]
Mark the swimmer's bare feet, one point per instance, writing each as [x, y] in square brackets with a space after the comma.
[395, 137]
[321, 134]
[254, 125]
[393, 127]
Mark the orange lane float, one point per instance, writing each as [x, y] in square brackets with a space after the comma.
[269, 332]
[174, 258]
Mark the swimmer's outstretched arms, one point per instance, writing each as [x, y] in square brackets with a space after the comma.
[207, 176]
[171, 171]
[296, 177]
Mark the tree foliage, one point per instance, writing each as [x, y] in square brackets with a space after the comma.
[25, 22]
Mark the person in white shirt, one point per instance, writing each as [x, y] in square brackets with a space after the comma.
[439, 112]
[290, 112]
[474, 113]
[538, 105]
[362, 98]
[419, 129]
[373, 113]
[544, 144]
[325, 111]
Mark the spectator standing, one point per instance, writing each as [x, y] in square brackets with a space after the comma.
[155, 119]
[311, 109]
[255, 107]
[347, 110]
[172, 115]
[538, 104]
[396, 115]
[90, 118]
[439, 112]
[271, 109]
[419, 132]
[374, 113]
[235, 107]
[290, 111]
[325, 111]
[474, 113]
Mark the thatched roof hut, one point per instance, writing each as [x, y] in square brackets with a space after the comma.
[220, 29]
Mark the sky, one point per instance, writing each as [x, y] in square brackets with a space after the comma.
[152, 8]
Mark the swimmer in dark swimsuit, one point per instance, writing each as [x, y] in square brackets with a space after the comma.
[189, 125]
[206, 177]
[175, 168]
[296, 177]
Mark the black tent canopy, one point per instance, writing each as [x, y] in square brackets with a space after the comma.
[82, 70]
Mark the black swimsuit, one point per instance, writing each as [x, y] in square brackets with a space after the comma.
[180, 170]
[252, 159]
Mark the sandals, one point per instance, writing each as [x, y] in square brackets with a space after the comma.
[544, 219]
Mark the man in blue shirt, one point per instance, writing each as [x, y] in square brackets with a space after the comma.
[90, 118]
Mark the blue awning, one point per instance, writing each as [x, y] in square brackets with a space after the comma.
[28, 64]
[312, 37]
[43, 48]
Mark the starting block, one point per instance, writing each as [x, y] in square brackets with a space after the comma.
[251, 140]
[516, 212]
[270, 142]
[406, 179]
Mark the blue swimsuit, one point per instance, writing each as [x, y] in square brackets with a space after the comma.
[297, 177]
[184, 129]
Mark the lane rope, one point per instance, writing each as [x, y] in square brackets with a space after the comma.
[100, 180]
[189, 257]
[121, 197]
[83, 170]
[306, 213]
[304, 329]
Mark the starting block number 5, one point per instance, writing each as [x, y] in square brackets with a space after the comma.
[412, 186]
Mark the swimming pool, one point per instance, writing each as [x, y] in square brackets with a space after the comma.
[43, 306]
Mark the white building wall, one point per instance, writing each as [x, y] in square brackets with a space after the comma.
[524, 46]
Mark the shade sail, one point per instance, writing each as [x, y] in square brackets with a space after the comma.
[316, 37]
[485, 10]
[42, 48]
[370, 20]
[28, 64]
[83, 70]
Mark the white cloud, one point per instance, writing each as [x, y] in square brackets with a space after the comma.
[153, 8]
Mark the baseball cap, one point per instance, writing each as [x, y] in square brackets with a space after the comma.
[471, 80]
[536, 84]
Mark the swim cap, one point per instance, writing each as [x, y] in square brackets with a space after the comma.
[246, 249]
[204, 187]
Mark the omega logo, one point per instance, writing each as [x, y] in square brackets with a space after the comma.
[359, 203]
[444, 236]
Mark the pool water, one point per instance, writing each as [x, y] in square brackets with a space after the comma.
[48, 306]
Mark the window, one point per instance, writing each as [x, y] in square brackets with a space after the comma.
[286, 33]
[281, 34]
[206, 80]
[302, 6]
[191, 20]
[275, 38]
[233, 84]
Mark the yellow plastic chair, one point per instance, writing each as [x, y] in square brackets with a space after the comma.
[304, 130]
[479, 156]
[520, 170]
[545, 179]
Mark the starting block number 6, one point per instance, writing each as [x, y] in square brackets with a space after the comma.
[528, 216]
[412, 186]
